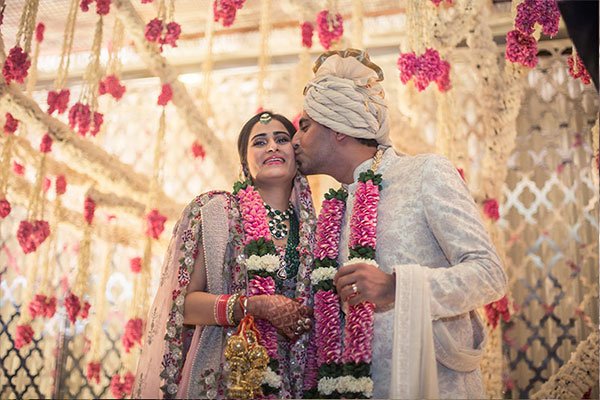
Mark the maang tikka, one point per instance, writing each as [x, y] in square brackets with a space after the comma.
[265, 118]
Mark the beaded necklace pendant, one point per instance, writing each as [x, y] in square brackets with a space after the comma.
[276, 225]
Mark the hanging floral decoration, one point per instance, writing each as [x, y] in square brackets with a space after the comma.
[198, 150]
[226, 10]
[577, 68]
[10, 127]
[92, 372]
[330, 28]
[162, 29]
[58, 99]
[77, 307]
[17, 62]
[307, 29]
[102, 6]
[521, 45]
[165, 96]
[121, 388]
[23, 335]
[424, 69]
[133, 333]
[111, 83]
[490, 209]
[33, 231]
[96, 331]
[39, 38]
[84, 115]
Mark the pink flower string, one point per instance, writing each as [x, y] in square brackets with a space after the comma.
[155, 224]
[39, 32]
[133, 333]
[23, 335]
[424, 69]
[254, 215]
[89, 208]
[328, 229]
[330, 28]
[58, 101]
[497, 309]
[358, 334]
[93, 372]
[268, 334]
[577, 70]
[5, 208]
[363, 223]
[135, 264]
[31, 235]
[166, 94]
[80, 117]
[85, 5]
[18, 169]
[307, 34]
[328, 331]
[490, 209]
[16, 65]
[198, 150]
[111, 85]
[60, 185]
[11, 124]
[226, 10]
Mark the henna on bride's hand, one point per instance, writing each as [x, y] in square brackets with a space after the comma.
[288, 316]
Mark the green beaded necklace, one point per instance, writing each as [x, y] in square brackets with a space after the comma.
[276, 225]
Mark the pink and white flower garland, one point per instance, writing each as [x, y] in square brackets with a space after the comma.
[328, 331]
[330, 28]
[262, 263]
[353, 379]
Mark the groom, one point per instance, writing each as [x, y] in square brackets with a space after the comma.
[435, 262]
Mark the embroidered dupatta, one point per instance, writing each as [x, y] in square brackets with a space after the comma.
[177, 361]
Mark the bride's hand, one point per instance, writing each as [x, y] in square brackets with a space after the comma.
[288, 316]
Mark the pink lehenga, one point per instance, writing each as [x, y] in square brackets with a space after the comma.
[182, 361]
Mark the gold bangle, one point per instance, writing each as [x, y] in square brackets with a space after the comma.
[230, 306]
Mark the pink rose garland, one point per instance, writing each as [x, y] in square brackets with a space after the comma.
[424, 69]
[329, 27]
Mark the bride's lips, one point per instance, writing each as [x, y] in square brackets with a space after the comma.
[274, 160]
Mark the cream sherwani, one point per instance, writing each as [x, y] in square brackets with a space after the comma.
[430, 233]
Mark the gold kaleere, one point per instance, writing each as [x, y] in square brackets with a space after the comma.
[248, 361]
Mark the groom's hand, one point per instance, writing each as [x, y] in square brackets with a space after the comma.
[360, 282]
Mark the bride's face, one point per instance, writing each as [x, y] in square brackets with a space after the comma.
[270, 153]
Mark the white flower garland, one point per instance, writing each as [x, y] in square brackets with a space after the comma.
[346, 384]
[268, 263]
[359, 260]
[271, 378]
[322, 274]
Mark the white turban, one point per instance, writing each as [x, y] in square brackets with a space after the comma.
[345, 95]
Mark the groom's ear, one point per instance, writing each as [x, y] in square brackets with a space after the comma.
[340, 137]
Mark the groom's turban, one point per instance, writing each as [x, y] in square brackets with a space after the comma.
[345, 95]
